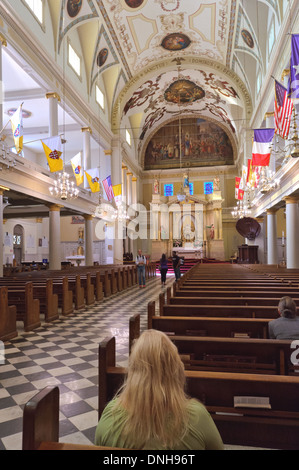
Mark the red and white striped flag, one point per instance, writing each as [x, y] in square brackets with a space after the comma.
[108, 188]
[239, 193]
[283, 108]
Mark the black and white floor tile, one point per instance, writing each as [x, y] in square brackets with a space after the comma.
[65, 353]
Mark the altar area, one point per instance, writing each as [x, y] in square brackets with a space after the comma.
[191, 226]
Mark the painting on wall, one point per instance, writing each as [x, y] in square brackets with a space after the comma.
[73, 7]
[183, 91]
[102, 56]
[134, 3]
[247, 38]
[202, 143]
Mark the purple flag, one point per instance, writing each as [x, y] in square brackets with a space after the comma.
[293, 85]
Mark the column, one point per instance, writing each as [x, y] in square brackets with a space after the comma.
[129, 188]
[116, 178]
[54, 99]
[86, 152]
[124, 184]
[3, 43]
[54, 237]
[134, 201]
[292, 225]
[272, 237]
[88, 240]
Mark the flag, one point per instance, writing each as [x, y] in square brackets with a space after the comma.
[108, 188]
[93, 178]
[243, 180]
[77, 168]
[261, 149]
[239, 193]
[53, 150]
[283, 108]
[293, 84]
[17, 129]
[117, 194]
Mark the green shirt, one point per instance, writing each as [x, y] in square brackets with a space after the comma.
[202, 433]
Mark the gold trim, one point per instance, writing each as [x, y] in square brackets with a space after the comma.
[3, 40]
[291, 199]
[108, 152]
[86, 129]
[53, 95]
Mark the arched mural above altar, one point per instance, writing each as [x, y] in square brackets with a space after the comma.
[203, 143]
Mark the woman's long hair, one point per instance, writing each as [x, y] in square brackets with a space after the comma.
[153, 395]
[287, 307]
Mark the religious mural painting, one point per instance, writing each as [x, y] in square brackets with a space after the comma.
[202, 143]
[73, 7]
[247, 38]
[183, 91]
[102, 56]
[134, 3]
[175, 42]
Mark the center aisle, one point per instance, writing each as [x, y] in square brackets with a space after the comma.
[65, 353]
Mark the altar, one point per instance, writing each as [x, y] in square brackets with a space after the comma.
[189, 252]
[77, 258]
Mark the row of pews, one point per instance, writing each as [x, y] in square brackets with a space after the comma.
[247, 381]
[30, 296]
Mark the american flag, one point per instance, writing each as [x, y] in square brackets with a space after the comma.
[283, 108]
[108, 188]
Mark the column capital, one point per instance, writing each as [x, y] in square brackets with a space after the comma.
[272, 210]
[285, 73]
[54, 207]
[86, 129]
[3, 40]
[108, 152]
[88, 216]
[53, 95]
[291, 199]
[134, 178]
[129, 173]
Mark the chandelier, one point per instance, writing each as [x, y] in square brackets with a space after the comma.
[267, 181]
[120, 213]
[244, 206]
[291, 149]
[64, 188]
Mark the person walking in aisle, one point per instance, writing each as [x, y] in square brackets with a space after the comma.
[141, 262]
[163, 269]
[176, 262]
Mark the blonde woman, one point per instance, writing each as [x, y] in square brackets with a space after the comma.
[151, 410]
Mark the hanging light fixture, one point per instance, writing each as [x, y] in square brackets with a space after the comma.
[64, 188]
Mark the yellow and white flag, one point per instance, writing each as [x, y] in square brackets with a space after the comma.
[17, 129]
[117, 194]
[77, 168]
[53, 150]
[93, 178]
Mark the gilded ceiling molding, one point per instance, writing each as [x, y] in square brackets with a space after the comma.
[3, 40]
[166, 65]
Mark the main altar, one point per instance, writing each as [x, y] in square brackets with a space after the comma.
[191, 225]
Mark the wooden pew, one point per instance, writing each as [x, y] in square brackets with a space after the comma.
[41, 424]
[8, 317]
[208, 326]
[28, 308]
[275, 428]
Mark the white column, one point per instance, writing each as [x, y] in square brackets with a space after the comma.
[272, 237]
[129, 188]
[54, 237]
[88, 240]
[3, 43]
[124, 184]
[292, 226]
[116, 178]
[54, 99]
[86, 152]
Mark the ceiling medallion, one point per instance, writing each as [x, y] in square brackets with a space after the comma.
[175, 42]
[25, 114]
[73, 7]
[183, 91]
[134, 3]
[102, 56]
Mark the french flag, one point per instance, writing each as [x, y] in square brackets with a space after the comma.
[261, 149]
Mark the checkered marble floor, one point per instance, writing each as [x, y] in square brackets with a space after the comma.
[64, 353]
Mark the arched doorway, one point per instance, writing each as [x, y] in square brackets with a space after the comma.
[18, 239]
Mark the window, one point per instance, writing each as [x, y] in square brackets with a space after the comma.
[208, 187]
[258, 82]
[36, 6]
[191, 189]
[74, 60]
[128, 137]
[271, 37]
[100, 99]
[168, 189]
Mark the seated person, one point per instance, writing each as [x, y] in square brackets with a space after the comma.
[287, 325]
[151, 409]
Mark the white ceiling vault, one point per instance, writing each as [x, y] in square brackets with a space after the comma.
[139, 49]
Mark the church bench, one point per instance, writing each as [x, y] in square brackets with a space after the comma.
[8, 317]
[41, 424]
[43, 291]
[275, 428]
[208, 326]
[28, 308]
[224, 310]
[235, 293]
[209, 300]
[256, 355]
